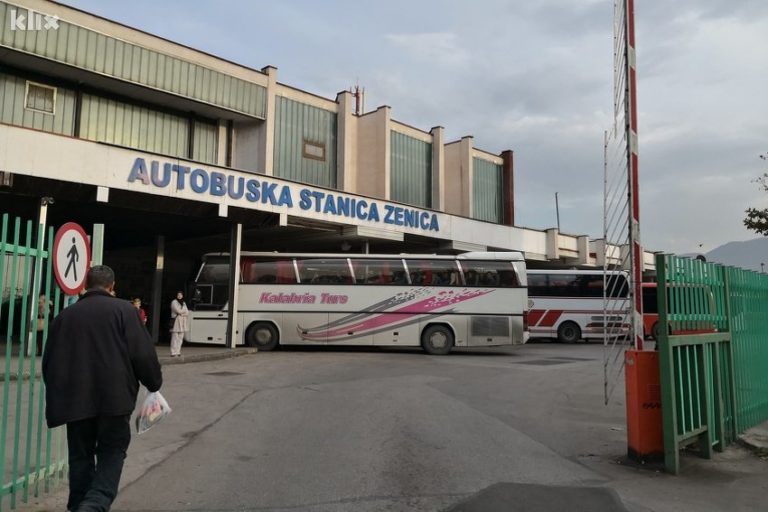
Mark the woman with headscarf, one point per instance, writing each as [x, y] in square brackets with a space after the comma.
[179, 323]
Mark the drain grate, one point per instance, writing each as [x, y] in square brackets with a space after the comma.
[224, 374]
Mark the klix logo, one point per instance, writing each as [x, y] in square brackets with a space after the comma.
[32, 20]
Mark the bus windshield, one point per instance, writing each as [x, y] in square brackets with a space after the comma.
[212, 284]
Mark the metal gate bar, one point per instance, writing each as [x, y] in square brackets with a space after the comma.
[30, 453]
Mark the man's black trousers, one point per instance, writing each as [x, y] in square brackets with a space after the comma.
[97, 448]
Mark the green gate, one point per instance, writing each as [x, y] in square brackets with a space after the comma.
[33, 458]
[713, 353]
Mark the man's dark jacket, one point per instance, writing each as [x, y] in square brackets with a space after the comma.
[96, 355]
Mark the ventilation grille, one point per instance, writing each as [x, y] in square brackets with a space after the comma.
[490, 326]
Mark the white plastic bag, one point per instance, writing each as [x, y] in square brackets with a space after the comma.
[154, 409]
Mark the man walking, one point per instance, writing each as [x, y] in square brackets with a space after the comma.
[96, 355]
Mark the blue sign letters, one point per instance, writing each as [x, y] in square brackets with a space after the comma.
[264, 191]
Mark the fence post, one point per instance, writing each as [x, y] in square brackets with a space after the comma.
[705, 438]
[729, 363]
[666, 371]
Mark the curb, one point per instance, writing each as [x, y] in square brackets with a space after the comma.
[212, 356]
[167, 360]
[755, 442]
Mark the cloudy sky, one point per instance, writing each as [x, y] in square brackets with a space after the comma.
[534, 77]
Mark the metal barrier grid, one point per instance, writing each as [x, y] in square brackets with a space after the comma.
[33, 458]
[749, 329]
[713, 353]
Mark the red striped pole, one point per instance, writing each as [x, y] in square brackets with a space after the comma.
[636, 256]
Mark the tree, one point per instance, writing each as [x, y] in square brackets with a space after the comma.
[757, 220]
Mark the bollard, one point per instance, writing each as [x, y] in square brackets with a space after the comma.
[645, 437]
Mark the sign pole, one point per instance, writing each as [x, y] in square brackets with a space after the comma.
[236, 241]
[42, 220]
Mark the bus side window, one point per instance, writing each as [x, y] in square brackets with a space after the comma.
[617, 286]
[379, 271]
[508, 278]
[285, 272]
[650, 304]
[325, 271]
[490, 279]
[538, 285]
[490, 274]
[245, 271]
[592, 286]
[433, 272]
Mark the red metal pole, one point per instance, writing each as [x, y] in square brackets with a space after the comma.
[636, 256]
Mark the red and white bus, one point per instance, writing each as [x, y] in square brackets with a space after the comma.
[700, 302]
[567, 305]
[436, 302]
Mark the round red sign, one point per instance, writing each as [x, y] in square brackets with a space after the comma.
[71, 257]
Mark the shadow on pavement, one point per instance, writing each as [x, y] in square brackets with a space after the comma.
[505, 351]
[504, 497]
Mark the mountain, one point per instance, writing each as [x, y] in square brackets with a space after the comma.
[748, 254]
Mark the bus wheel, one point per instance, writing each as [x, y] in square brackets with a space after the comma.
[437, 340]
[262, 335]
[568, 332]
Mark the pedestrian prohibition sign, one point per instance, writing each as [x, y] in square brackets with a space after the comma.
[71, 257]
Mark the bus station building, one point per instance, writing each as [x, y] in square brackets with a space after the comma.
[178, 153]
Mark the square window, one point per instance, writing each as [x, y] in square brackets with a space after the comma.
[40, 98]
[313, 150]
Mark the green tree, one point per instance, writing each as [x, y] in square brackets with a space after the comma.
[757, 219]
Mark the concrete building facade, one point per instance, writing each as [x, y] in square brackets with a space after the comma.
[126, 128]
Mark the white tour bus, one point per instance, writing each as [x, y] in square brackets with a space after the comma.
[567, 305]
[436, 302]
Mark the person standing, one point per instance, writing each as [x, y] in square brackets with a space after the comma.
[142, 313]
[179, 323]
[96, 355]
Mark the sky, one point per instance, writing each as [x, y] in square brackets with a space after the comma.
[535, 77]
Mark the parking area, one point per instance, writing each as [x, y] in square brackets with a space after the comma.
[380, 429]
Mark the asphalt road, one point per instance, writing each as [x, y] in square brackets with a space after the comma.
[521, 429]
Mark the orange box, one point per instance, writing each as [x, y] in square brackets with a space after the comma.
[645, 436]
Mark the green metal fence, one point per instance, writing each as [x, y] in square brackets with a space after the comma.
[33, 458]
[748, 299]
[713, 353]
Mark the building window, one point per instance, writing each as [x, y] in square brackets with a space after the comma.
[313, 150]
[40, 98]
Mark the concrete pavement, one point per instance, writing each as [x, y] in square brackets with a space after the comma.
[756, 439]
[368, 429]
[190, 354]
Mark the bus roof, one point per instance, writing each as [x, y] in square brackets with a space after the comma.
[476, 255]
